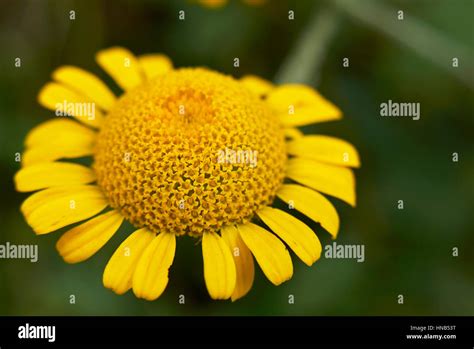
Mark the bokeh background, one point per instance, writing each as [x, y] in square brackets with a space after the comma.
[408, 252]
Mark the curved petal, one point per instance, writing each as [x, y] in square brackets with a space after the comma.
[312, 204]
[151, 274]
[57, 139]
[87, 84]
[293, 133]
[301, 116]
[301, 239]
[122, 66]
[59, 129]
[83, 241]
[65, 101]
[332, 180]
[270, 253]
[54, 208]
[52, 174]
[154, 65]
[118, 273]
[219, 266]
[243, 261]
[257, 85]
[299, 105]
[326, 149]
[51, 152]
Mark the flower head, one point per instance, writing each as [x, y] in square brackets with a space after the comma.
[176, 131]
[183, 152]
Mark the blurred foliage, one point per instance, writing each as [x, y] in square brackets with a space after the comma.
[408, 251]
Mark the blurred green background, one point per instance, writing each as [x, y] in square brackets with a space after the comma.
[408, 251]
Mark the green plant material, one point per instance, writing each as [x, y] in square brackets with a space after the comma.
[423, 39]
[305, 59]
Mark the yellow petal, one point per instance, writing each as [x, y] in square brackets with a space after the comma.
[85, 240]
[86, 84]
[332, 180]
[296, 94]
[312, 204]
[59, 131]
[293, 133]
[301, 239]
[305, 115]
[257, 85]
[154, 65]
[54, 208]
[151, 274]
[326, 149]
[118, 273]
[50, 152]
[65, 101]
[299, 105]
[122, 66]
[243, 261]
[219, 266]
[57, 139]
[270, 253]
[52, 174]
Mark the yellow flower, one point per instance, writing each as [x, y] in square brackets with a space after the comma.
[183, 152]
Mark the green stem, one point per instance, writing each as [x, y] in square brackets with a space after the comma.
[423, 39]
[305, 59]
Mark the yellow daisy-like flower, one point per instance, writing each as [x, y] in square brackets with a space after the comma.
[183, 152]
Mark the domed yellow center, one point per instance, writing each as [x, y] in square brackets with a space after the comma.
[189, 152]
